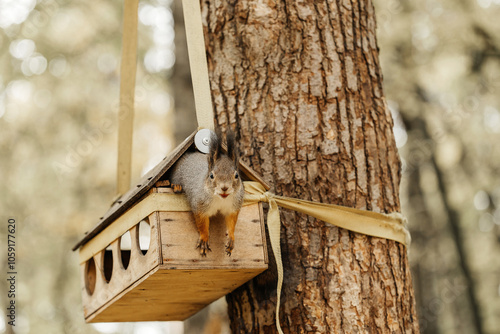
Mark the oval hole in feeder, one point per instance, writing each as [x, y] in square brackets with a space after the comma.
[108, 264]
[90, 276]
[144, 235]
[125, 249]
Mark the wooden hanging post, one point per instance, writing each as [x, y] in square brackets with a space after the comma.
[198, 64]
[127, 92]
[199, 73]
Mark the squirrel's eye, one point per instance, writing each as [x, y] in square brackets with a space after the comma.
[212, 176]
[236, 175]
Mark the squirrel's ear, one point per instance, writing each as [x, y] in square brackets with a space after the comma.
[215, 148]
[232, 150]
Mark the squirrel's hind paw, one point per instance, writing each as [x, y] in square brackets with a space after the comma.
[229, 247]
[203, 246]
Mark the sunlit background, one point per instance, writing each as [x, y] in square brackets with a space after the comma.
[59, 83]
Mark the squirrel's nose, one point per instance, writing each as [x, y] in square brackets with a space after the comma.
[224, 189]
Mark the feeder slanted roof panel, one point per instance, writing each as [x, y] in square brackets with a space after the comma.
[128, 199]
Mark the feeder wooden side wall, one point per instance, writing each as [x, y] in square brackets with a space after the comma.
[177, 230]
[172, 281]
[121, 278]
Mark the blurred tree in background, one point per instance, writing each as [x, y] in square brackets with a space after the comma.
[59, 83]
[441, 61]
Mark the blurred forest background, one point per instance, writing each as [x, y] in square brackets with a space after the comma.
[59, 83]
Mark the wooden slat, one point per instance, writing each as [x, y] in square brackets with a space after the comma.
[165, 295]
[121, 279]
[263, 232]
[164, 190]
[163, 183]
[179, 237]
[152, 203]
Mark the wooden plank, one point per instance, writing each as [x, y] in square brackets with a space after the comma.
[263, 231]
[165, 295]
[179, 237]
[152, 203]
[163, 183]
[164, 190]
[121, 278]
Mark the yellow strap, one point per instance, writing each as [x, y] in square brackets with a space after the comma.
[198, 63]
[389, 226]
[127, 90]
[274, 228]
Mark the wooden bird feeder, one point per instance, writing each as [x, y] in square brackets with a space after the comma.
[167, 279]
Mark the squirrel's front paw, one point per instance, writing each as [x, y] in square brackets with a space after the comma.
[177, 188]
[229, 247]
[203, 246]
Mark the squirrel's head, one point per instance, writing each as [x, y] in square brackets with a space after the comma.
[223, 176]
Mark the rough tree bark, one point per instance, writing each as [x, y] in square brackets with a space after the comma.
[300, 82]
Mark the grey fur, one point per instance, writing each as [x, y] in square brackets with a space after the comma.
[202, 192]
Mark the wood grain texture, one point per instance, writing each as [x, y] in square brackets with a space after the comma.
[121, 278]
[172, 281]
[300, 83]
[179, 238]
[166, 294]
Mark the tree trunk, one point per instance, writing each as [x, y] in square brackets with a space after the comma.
[300, 82]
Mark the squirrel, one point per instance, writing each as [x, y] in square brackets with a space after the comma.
[212, 185]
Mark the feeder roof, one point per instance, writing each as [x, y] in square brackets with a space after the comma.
[127, 200]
